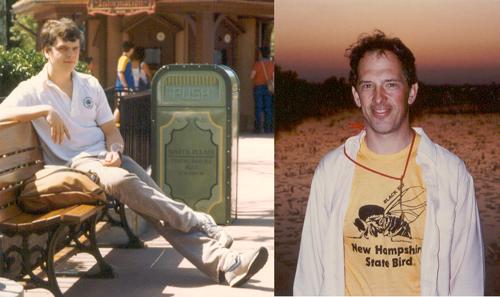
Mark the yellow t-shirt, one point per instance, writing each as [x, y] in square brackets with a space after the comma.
[122, 63]
[383, 228]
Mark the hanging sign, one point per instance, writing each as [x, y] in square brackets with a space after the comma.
[120, 7]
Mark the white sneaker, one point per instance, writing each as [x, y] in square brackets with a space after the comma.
[207, 225]
[244, 265]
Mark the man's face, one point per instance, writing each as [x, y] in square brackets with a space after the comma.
[63, 55]
[383, 93]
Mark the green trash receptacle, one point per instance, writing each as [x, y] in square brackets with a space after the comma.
[194, 148]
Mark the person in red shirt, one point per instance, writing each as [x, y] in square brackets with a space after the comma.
[263, 71]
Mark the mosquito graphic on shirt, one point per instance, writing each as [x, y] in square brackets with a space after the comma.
[394, 219]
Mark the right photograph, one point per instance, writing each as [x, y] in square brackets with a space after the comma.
[386, 147]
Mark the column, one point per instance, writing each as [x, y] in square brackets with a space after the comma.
[114, 48]
[205, 38]
[245, 57]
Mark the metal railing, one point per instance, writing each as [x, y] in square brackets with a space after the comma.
[111, 96]
[135, 126]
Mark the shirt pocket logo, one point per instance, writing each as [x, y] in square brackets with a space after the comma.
[88, 102]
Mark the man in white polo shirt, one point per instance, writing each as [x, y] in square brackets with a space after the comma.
[70, 113]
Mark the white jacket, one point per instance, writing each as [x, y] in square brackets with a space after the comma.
[452, 259]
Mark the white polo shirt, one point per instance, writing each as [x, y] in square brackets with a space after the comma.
[82, 114]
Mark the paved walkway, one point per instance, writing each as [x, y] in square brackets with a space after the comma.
[160, 271]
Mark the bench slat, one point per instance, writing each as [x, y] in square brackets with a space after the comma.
[8, 206]
[7, 196]
[13, 161]
[19, 174]
[29, 222]
[81, 213]
[18, 136]
[10, 213]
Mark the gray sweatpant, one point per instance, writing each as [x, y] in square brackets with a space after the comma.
[132, 186]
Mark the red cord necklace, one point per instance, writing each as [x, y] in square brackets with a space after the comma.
[386, 175]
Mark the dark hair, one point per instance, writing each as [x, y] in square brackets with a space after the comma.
[127, 45]
[138, 54]
[265, 51]
[379, 42]
[64, 28]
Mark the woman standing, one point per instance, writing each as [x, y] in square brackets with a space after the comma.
[140, 70]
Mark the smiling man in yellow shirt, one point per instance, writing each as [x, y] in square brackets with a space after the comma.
[389, 212]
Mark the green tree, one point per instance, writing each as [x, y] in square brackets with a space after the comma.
[20, 64]
[23, 32]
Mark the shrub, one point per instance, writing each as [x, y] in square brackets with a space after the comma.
[19, 64]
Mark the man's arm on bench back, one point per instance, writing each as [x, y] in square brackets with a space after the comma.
[23, 113]
[28, 113]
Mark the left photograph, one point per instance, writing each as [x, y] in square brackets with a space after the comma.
[136, 148]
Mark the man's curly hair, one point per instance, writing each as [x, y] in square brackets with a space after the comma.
[379, 42]
[64, 28]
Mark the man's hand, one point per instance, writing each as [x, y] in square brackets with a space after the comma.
[57, 127]
[112, 159]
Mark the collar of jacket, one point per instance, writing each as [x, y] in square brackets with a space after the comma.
[426, 152]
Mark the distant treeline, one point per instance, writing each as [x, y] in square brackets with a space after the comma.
[298, 99]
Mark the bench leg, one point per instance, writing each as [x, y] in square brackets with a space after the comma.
[106, 271]
[50, 269]
[88, 229]
[57, 237]
[133, 241]
[46, 261]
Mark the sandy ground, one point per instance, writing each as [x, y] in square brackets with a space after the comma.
[474, 138]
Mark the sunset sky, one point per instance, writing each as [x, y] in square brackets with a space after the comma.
[454, 41]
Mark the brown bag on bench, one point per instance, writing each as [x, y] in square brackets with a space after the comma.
[57, 187]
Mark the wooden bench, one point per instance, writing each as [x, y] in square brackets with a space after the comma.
[20, 158]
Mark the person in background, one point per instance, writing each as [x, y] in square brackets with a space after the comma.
[262, 74]
[124, 78]
[140, 70]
